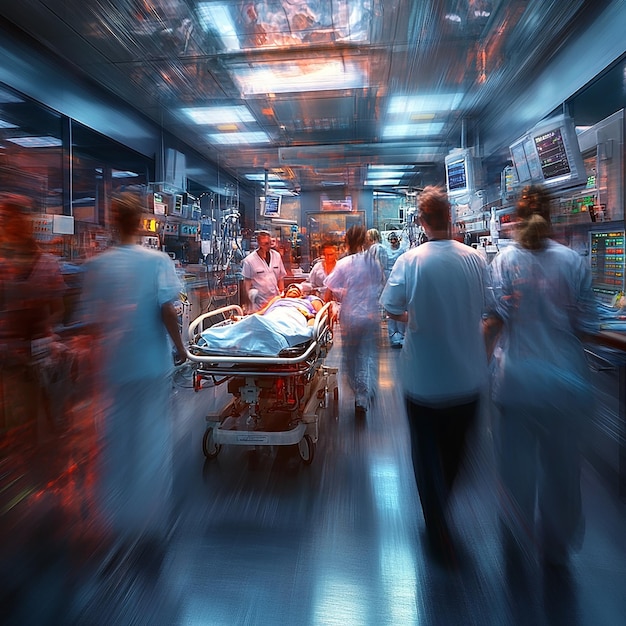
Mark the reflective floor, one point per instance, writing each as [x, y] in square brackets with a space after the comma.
[261, 539]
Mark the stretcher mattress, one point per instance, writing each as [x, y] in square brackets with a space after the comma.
[256, 335]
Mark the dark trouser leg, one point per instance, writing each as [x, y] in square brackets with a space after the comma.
[438, 438]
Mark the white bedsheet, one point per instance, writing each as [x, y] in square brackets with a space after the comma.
[257, 335]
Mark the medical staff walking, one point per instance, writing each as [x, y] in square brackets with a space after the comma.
[263, 273]
[440, 289]
[395, 328]
[356, 282]
[544, 305]
[129, 295]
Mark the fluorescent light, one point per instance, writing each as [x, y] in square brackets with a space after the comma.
[384, 174]
[219, 114]
[394, 166]
[384, 182]
[294, 76]
[412, 130]
[36, 142]
[261, 177]
[408, 105]
[4, 124]
[216, 17]
[233, 139]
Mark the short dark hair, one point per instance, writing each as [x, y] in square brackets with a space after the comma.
[126, 210]
[434, 207]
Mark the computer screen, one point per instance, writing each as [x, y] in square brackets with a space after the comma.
[520, 161]
[607, 264]
[272, 206]
[456, 173]
[556, 145]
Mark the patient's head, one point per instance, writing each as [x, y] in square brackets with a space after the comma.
[293, 291]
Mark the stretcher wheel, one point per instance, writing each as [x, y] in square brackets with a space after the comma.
[209, 447]
[306, 449]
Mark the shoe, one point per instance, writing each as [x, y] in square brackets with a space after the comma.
[359, 410]
[396, 345]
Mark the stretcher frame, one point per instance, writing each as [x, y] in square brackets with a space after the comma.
[241, 421]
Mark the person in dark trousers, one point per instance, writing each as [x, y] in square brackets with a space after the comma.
[440, 289]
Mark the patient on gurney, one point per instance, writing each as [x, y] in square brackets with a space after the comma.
[284, 322]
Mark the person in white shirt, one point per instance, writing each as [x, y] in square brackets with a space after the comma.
[395, 328]
[129, 293]
[322, 269]
[356, 283]
[440, 289]
[263, 273]
[544, 305]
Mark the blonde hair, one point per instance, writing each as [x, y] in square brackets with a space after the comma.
[374, 235]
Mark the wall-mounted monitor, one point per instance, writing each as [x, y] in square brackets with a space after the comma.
[159, 203]
[556, 146]
[271, 206]
[462, 172]
[508, 182]
[526, 161]
[177, 207]
[520, 161]
[337, 204]
[607, 264]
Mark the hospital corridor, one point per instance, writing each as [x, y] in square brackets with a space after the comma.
[260, 538]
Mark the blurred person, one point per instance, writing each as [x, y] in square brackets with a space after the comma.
[31, 307]
[322, 269]
[543, 305]
[395, 328]
[374, 245]
[356, 283]
[129, 293]
[263, 273]
[440, 289]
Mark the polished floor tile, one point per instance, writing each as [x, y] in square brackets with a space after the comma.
[262, 539]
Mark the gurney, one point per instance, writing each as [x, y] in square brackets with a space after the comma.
[272, 400]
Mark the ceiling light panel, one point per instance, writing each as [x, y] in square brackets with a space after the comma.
[383, 182]
[235, 139]
[36, 142]
[300, 75]
[4, 124]
[261, 177]
[219, 115]
[390, 173]
[398, 131]
[430, 103]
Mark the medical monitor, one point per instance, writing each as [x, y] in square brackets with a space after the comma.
[271, 206]
[607, 264]
[159, 205]
[461, 173]
[556, 146]
[508, 182]
[520, 161]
